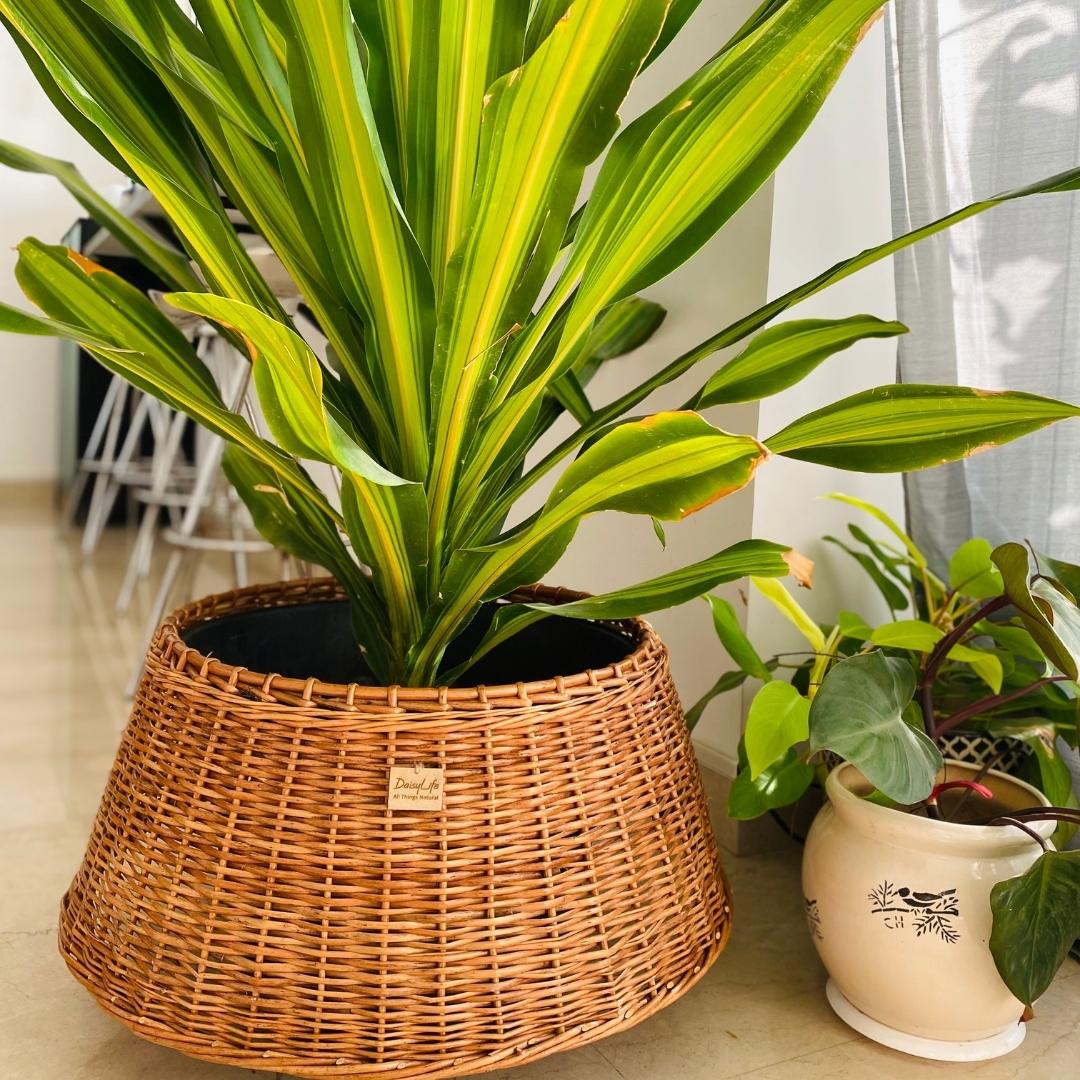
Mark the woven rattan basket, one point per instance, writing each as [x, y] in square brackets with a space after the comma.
[247, 897]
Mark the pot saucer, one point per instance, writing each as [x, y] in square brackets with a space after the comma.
[993, 1046]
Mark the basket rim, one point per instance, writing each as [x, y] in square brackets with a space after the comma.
[169, 648]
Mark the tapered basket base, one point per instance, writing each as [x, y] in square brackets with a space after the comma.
[248, 898]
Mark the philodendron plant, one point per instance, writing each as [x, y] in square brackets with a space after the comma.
[417, 168]
[993, 676]
[996, 648]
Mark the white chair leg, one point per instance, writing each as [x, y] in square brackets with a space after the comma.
[139, 562]
[96, 515]
[115, 480]
[90, 452]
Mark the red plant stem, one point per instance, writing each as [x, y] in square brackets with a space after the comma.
[992, 702]
[970, 785]
[941, 651]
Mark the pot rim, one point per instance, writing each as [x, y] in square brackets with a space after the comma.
[904, 830]
[645, 652]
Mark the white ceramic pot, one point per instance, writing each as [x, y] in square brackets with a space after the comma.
[899, 910]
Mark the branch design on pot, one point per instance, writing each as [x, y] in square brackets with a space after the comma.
[813, 920]
[926, 912]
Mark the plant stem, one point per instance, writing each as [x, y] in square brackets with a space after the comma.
[992, 702]
[1005, 820]
[940, 652]
[1041, 813]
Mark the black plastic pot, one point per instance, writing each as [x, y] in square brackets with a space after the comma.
[304, 640]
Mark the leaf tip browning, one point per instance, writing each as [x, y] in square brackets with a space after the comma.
[800, 567]
[869, 24]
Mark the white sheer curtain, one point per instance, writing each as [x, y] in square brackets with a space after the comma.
[985, 97]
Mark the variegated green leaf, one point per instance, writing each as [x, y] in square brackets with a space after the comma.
[62, 103]
[387, 528]
[466, 46]
[1061, 182]
[289, 381]
[300, 526]
[116, 91]
[897, 428]
[15, 321]
[758, 557]
[542, 125]
[682, 169]
[666, 466]
[414, 168]
[132, 338]
[391, 33]
[242, 44]
[748, 557]
[170, 43]
[784, 355]
[376, 254]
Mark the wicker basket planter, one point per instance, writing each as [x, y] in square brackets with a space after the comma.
[248, 898]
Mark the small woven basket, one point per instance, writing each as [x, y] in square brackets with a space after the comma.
[247, 897]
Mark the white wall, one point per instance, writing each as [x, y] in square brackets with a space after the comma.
[831, 200]
[29, 367]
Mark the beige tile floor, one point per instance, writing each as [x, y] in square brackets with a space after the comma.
[64, 659]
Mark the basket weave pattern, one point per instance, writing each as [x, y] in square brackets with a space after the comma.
[247, 897]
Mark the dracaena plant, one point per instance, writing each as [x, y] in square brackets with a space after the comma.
[417, 168]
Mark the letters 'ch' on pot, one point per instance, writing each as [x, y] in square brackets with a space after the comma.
[248, 897]
[899, 909]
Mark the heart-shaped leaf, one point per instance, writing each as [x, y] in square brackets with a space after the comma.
[858, 714]
[1036, 920]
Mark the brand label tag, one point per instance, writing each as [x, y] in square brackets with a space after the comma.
[415, 787]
